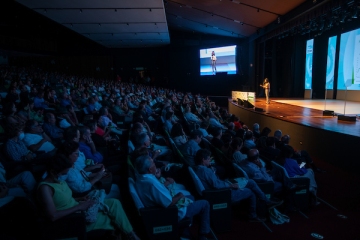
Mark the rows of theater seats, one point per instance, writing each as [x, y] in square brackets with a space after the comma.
[155, 223]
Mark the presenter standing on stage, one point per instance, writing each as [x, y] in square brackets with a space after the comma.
[266, 86]
[213, 62]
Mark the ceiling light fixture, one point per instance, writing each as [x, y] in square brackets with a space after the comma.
[127, 24]
[115, 10]
[99, 25]
[150, 9]
[80, 10]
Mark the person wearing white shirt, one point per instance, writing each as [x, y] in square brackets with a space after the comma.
[153, 193]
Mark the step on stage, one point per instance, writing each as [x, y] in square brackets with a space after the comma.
[324, 137]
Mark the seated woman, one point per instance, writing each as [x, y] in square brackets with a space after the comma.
[78, 180]
[297, 170]
[56, 197]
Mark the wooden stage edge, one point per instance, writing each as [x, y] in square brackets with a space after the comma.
[326, 138]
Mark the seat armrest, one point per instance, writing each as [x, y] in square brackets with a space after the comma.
[215, 196]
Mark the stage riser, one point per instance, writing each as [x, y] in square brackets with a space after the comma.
[336, 148]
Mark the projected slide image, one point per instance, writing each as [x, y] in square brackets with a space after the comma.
[349, 61]
[219, 59]
[309, 63]
[330, 68]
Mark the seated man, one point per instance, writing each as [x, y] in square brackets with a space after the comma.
[50, 128]
[153, 193]
[190, 148]
[190, 116]
[87, 146]
[216, 140]
[143, 140]
[209, 179]
[36, 139]
[270, 151]
[249, 140]
[256, 171]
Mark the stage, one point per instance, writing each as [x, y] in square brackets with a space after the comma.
[322, 136]
[310, 113]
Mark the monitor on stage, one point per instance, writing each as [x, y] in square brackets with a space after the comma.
[330, 66]
[309, 63]
[349, 61]
[218, 60]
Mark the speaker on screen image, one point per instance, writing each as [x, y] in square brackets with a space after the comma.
[349, 61]
[218, 60]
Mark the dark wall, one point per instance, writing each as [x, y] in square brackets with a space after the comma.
[178, 65]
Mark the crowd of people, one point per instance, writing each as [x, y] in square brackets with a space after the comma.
[66, 135]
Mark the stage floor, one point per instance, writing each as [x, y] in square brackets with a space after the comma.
[338, 106]
[309, 113]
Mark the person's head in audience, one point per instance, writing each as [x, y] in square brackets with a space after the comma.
[139, 152]
[40, 94]
[286, 152]
[65, 95]
[137, 128]
[145, 165]
[231, 126]
[85, 134]
[14, 131]
[217, 132]
[249, 135]
[285, 139]
[9, 109]
[142, 140]
[71, 150]
[227, 139]
[92, 125]
[278, 134]
[72, 134]
[253, 155]
[103, 111]
[265, 132]
[203, 157]
[261, 143]
[256, 128]
[32, 126]
[237, 144]
[169, 116]
[59, 165]
[50, 118]
[270, 142]
[177, 130]
[196, 135]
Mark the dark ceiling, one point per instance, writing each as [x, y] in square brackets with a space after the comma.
[146, 23]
